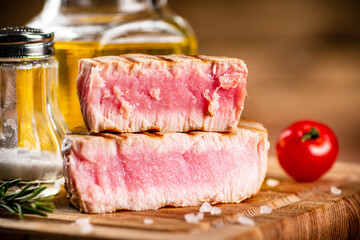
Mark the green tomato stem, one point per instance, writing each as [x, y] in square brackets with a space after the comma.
[313, 134]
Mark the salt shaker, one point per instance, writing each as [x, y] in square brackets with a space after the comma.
[29, 147]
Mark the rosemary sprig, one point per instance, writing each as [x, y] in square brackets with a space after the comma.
[26, 200]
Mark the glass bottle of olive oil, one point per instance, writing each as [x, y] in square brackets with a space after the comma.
[91, 28]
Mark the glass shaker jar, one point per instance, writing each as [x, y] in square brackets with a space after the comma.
[90, 28]
[28, 140]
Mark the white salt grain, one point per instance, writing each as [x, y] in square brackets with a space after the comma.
[148, 221]
[205, 207]
[191, 218]
[215, 210]
[25, 164]
[265, 210]
[335, 190]
[272, 182]
[200, 216]
[246, 221]
[85, 226]
[194, 218]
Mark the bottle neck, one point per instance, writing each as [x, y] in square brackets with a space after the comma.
[101, 12]
[110, 6]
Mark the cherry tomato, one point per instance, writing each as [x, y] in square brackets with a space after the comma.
[306, 150]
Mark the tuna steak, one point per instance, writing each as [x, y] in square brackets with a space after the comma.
[137, 171]
[174, 93]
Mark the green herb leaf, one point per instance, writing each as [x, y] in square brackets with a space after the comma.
[21, 215]
[33, 211]
[4, 206]
[18, 194]
[27, 200]
[36, 192]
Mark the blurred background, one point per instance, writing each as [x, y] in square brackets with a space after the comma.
[303, 57]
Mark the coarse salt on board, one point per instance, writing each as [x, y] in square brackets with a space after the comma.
[148, 221]
[215, 210]
[85, 226]
[246, 221]
[200, 216]
[205, 207]
[194, 218]
[191, 218]
[335, 190]
[272, 182]
[265, 210]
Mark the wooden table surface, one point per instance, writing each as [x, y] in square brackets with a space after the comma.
[303, 59]
[300, 211]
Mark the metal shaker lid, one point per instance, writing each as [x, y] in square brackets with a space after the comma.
[25, 42]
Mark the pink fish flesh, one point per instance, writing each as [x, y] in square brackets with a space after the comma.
[138, 171]
[173, 93]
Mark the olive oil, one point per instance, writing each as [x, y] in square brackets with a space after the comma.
[68, 54]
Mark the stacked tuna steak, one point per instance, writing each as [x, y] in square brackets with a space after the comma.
[172, 164]
[175, 93]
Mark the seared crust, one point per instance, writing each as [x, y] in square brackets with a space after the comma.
[168, 59]
[72, 194]
[243, 123]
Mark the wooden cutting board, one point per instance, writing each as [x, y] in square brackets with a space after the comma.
[300, 211]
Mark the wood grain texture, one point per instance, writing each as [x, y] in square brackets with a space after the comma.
[300, 211]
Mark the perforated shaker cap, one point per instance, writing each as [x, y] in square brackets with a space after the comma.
[25, 42]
